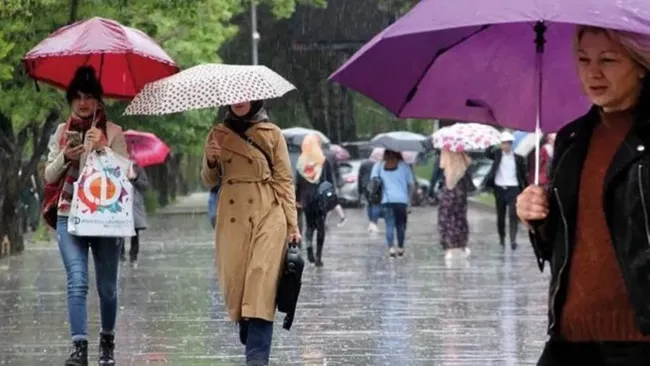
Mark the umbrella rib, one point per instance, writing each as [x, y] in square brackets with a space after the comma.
[440, 52]
[128, 66]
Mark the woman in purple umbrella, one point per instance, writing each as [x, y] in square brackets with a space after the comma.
[593, 224]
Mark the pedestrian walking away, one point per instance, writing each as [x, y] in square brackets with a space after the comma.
[372, 210]
[314, 172]
[452, 211]
[397, 184]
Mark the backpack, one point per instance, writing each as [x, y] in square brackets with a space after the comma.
[375, 187]
[326, 196]
[374, 191]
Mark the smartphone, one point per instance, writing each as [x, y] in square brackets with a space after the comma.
[74, 138]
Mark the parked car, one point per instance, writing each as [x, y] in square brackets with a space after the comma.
[359, 150]
[349, 191]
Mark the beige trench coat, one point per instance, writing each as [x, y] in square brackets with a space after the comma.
[256, 210]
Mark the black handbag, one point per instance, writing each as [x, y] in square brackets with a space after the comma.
[289, 284]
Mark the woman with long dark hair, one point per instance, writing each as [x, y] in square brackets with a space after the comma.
[86, 130]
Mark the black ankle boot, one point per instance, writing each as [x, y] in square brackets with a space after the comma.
[79, 354]
[106, 348]
[310, 254]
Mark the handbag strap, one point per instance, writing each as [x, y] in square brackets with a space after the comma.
[254, 144]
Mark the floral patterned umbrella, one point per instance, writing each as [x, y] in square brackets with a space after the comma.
[462, 137]
[208, 86]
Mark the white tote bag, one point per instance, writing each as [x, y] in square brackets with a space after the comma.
[102, 202]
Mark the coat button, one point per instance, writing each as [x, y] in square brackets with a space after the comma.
[640, 148]
[250, 201]
[233, 220]
[232, 202]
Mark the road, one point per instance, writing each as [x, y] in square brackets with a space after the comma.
[361, 308]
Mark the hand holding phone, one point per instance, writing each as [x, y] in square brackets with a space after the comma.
[73, 149]
[74, 138]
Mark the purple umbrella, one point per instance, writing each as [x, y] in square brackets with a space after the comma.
[482, 61]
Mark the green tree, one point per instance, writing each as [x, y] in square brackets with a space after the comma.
[191, 31]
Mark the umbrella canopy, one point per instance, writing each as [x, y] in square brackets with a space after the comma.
[125, 58]
[410, 157]
[146, 148]
[525, 145]
[295, 135]
[402, 141]
[340, 152]
[462, 137]
[209, 86]
[481, 61]
[518, 135]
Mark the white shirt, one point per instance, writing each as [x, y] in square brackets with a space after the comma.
[507, 172]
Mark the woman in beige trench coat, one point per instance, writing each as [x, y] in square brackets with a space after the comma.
[256, 218]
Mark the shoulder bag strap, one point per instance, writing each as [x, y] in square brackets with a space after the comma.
[254, 144]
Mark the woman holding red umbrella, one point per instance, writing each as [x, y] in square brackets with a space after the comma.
[87, 129]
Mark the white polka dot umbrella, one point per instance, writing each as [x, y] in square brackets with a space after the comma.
[208, 86]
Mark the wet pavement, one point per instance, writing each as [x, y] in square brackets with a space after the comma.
[362, 308]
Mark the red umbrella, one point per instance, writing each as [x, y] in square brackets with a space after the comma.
[146, 148]
[125, 58]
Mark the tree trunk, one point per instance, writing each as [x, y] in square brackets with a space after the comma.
[16, 177]
[172, 177]
[11, 234]
[349, 124]
[333, 131]
[163, 188]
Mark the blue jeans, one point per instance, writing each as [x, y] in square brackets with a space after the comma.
[395, 215]
[258, 343]
[212, 208]
[374, 212]
[106, 255]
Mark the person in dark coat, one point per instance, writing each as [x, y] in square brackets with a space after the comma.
[373, 211]
[592, 225]
[313, 169]
[507, 178]
[140, 181]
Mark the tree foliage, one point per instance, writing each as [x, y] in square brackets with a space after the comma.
[191, 31]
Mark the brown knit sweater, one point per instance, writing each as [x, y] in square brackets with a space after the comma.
[598, 307]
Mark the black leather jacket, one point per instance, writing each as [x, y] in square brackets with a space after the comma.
[627, 210]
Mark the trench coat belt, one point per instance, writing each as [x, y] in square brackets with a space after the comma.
[248, 180]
